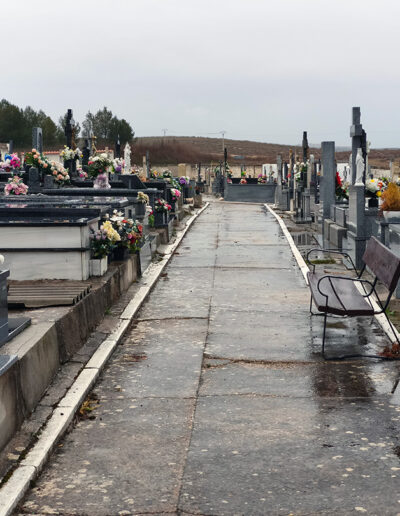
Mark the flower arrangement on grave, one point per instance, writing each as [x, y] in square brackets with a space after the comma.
[391, 198]
[167, 174]
[103, 241]
[300, 169]
[143, 198]
[161, 206]
[243, 173]
[374, 188]
[175, 193]
[11, 162]
[229, 180]
[342, 189]
[118, 165]
[99, 165]
[129, 230]
[60, 174]
[68, 154]
[15, 186]
[261, 179]
[35, 159]
[81, 173]
[176, 184]
[151, 218]
[154, 174]
[184, 180]
[243, 181]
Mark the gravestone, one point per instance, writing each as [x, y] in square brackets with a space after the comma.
[85, 154]
[328, 179]
[33, 180]
[127, 158]
[37, 139]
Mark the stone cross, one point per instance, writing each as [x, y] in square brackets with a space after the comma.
[305, 147]
[328, 179]
[68, 128]
[127, 158]
[358, 141]
[37, 139]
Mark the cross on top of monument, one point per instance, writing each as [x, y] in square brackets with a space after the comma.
[305, 147]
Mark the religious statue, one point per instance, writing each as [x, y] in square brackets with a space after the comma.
[350, 166]
[360, 167]
[127, 158]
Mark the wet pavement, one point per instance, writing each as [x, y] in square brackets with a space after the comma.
[218, 401]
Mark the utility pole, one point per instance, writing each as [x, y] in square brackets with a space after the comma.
[164, 131]
[223, 140]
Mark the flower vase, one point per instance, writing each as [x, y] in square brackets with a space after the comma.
[373, 202]
[140, 209]
[101, 182]
[98, 266]
[160, 219]
[120, 254]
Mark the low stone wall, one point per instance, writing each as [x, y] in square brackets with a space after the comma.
[250, 193]
[48, 343]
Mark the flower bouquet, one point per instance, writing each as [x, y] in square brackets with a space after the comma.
[11, 162]
[243, 181]
[81, 174]
[261, 179]
[161, 209]
[35, 159]
[103, 241]
[175, 193]
[130, 231]
[98, 165]
[118, 165]
[143, 198]
[243, 173]
[341, 188]
[167, 175]
[184, 180]
[373, 190]
[68, 154]
[15, 186]
[153, 174]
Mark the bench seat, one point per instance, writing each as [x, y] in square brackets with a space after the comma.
[343, 296]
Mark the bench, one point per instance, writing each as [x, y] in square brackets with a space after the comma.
[336, 295]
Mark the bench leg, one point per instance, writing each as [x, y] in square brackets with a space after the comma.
[323, 336]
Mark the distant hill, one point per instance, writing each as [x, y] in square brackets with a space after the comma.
[192, 149]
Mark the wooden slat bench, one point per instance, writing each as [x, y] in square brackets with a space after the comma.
[339, 296]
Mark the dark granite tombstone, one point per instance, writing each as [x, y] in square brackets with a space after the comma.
[33, 180]
[85, 154]
[37, 139]
[131, 181]
[305, 147]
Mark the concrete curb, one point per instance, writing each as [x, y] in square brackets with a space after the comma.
[300, 260]
[381, 319]
[18, 484]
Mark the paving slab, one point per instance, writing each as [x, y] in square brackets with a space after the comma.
[130, 458]
[256, 335]
[300, 380]
[275, 256]
[292, 456]
[153, 361]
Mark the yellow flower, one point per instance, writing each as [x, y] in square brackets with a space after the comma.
[378, 193]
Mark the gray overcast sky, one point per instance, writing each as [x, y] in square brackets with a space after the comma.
[260, 69]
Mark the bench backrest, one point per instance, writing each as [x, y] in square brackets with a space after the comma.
[383, 263]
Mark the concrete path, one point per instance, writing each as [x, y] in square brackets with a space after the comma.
[218, 401]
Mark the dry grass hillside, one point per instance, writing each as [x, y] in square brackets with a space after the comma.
[192, 149]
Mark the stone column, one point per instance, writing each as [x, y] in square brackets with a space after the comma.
[328, 179]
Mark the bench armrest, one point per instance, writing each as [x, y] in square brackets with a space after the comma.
[359, 280]
[330, 251]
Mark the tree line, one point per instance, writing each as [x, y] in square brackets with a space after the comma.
[16, 124]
